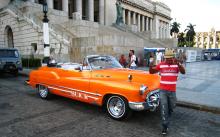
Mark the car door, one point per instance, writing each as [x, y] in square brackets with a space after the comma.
[74, 84]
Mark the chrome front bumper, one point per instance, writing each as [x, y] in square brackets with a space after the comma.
[152, 102]
[138, 106]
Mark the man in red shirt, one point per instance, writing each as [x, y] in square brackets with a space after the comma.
[168, 71]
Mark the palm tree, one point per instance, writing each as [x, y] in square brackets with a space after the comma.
[181, 39]
[190, 34]
[174, 29]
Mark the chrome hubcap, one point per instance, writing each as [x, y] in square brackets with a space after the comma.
[43, 91]
[116, 107]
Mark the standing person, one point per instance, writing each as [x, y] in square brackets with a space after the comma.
[151, 59]
[122, 60]
[129, 59]
[132, 60]
[168, 70]
[184, 58]
[159, 57]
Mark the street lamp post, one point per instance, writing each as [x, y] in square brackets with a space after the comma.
[46, 34]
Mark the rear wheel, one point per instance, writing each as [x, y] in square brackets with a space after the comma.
[117, 107]
[43, 92]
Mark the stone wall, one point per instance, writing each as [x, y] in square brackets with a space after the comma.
[4, 3]
[110, 12]
[23, 33]
[105, 45]
[26, 36]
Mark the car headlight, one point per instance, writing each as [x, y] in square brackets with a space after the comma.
[143, 88]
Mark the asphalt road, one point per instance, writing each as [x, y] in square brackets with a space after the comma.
[23, 113]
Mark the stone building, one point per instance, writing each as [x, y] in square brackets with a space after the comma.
[82, 27]
[208, 40]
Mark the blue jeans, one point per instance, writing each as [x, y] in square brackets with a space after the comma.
[167, 105]
[133, 67]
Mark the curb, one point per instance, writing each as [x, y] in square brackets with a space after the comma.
[200, 107]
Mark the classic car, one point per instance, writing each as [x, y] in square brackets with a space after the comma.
[99, 80]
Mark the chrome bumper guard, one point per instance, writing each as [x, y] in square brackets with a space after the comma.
[152, 102]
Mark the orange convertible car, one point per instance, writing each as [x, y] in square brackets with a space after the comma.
[100, 80]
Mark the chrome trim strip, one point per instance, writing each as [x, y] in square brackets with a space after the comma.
[137, 103]
[72, 89]
[93, 97]
[70, 92]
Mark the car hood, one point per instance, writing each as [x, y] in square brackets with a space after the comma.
[121, 74]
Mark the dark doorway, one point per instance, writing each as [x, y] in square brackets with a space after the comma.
[9, 40]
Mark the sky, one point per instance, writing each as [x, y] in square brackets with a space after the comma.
[205, 14]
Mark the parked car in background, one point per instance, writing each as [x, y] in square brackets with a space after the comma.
[10, 61]
[102, 81]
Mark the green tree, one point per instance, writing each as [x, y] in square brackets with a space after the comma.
[190, 34]
[181, 39]
[174, 28]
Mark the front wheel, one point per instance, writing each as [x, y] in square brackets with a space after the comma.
[43, 92]
[117, 107]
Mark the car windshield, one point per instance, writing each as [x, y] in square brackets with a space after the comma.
[103, 62]
[9, 53]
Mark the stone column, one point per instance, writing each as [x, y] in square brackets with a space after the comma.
[151, 24]
[208, 41]
[168, 30]
[139, 22]
[91, 10]
[202, 37]
[79, 7]
[146, 25]
[134, 18]
[165, 31]
[129, 17]
[50, 4]
[197, 41]
[65, 5]
[160, 30]
[101, 11]
[214, 40]
[124, 16]
[33, 1]
[143, 23]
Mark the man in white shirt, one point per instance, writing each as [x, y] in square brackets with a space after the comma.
[159, 57]
[132, 60]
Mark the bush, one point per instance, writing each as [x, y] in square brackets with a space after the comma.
[31, 62]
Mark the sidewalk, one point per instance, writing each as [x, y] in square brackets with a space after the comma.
[199, 88]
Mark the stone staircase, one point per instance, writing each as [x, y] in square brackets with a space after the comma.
[146, 36]
[55, 31]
